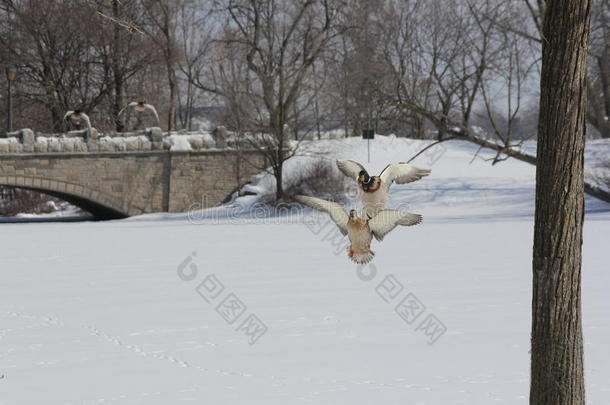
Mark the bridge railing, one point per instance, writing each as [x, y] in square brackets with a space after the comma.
[89, 140]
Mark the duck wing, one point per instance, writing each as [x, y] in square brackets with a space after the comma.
[85, 118]
[401, 173]
[336, 212]
[152, 108]
[386, 220]
[350, 168]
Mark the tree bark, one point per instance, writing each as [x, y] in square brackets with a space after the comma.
[603, 125]
[171, 69]
[557, 376]
[279, 191]
[278, 168]
[173, 92]
[117, 102]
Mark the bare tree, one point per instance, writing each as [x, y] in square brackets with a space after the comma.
[463, 73]
[124, 52]
[598, 82]
[280, 41]
[339, 89]
[88, 59]
[557, 375]
[161, 27]
[195, 35]
[54, 53]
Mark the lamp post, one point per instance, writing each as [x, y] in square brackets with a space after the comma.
[10, 76]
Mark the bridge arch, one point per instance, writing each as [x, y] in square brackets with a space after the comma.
[101, 206]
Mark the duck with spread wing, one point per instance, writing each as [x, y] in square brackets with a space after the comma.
[361, 231]
[375, 190]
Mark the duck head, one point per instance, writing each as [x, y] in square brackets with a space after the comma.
[363, 177]
[354, 218]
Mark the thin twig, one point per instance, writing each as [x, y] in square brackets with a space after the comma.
[431, 145]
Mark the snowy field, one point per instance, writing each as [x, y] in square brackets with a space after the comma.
[270, 310]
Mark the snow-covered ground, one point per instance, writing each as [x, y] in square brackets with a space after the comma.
[162, 309]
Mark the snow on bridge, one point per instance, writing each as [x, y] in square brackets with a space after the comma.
[120, 175]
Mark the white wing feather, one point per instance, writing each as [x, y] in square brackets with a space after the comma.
[336, 212]
[154, 111]
[85, 118]
[401, 173]
[123, 109]
[386, 220]
[350, 168]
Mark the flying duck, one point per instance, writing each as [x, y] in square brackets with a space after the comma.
[361, 231]
[76, 117]
[141, 106]
[375, 190]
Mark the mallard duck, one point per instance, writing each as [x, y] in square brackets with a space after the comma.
[77, 116]
[375, 190]
[361, 231]
[141, 106]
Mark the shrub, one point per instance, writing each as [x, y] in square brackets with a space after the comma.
[30, 202]
[322, 179]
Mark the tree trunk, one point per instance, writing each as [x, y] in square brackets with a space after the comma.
[597, 110]
[173, 94]
[59, 125]
[604, 107]
[557, 376]
[279, 190]
[279, 158]
[604, 74]
[117, 102]
[189, 105]
[170, 65]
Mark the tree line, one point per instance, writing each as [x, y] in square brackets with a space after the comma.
[410, 67]
[442, 69]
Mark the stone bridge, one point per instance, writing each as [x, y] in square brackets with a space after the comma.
[120, 175]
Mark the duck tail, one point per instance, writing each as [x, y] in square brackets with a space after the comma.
[363, 258]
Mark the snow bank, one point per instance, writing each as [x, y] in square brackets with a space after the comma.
[10, 144]
[130, 143]
[187, 142]
[463, 183]
[8, 141]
